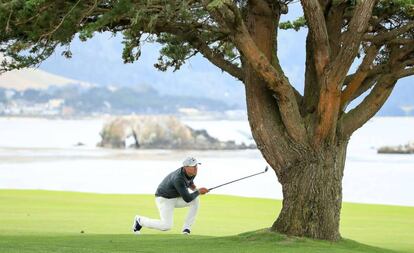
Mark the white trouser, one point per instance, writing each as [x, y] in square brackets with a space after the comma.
[166, 209]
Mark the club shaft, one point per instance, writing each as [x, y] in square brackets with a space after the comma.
[236, 180]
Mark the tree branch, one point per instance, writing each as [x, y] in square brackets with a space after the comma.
[215, 58]
[327, 112]
[367, 84]
[352, 39]
[7, 29]
[359, 76]
[317, 26]
[334, 74]
[397, 64]
[61, 22]
[401, 41]
[405, 53]
[218, 59]
[334, 24]
[312, 86]
[229, 16]
[383, 37]
[405, 72]
[409, 62]
[358, 116]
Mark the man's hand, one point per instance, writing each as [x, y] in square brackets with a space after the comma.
[203, 190]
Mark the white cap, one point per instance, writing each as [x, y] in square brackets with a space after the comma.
[190, 161]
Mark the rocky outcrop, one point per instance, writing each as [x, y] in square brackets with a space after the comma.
[159, 132]
[401, 149]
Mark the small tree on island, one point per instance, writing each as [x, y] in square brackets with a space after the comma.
[303, 137]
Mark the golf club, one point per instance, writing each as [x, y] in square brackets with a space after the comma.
[239, 179]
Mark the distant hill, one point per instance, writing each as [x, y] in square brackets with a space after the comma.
[31, 78]
[76, 100]
[34, 79]
[33, 90]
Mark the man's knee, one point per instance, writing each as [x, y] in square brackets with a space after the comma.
[166, 226]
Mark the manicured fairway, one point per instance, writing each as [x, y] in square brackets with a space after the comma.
[47, 221]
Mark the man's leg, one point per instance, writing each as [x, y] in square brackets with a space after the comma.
[192, 212]
[166, 209]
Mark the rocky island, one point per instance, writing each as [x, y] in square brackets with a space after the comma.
[400, 149]
[160, 132]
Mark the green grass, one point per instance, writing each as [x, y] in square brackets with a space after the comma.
[47, 221]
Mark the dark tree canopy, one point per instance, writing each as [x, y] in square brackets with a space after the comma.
[303, 137]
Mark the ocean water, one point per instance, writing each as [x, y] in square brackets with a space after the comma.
[43, 154]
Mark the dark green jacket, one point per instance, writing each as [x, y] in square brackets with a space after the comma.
[176, 185]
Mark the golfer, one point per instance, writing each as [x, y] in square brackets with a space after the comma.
[173, 193]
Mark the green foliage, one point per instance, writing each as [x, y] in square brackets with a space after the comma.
[28, 40]
[174, 53]
[132, 45]
[393, 14]
[31, 30]
[296, 24]
[227, 49]
[216, 4]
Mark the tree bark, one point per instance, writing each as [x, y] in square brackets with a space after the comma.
[263, 111]
[312, 195]
[311, 180]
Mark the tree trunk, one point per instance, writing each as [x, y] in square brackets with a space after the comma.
[311, 180]
[262, 108]
[312, 195]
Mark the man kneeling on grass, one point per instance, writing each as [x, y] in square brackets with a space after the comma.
[173, 193]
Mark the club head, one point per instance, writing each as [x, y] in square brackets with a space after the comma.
[266, 169]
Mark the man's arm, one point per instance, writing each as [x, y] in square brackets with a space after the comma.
[182, 190]
[201, 190]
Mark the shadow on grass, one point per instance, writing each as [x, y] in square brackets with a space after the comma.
[255, 241]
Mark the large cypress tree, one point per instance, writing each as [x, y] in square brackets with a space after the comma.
[303, 137]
